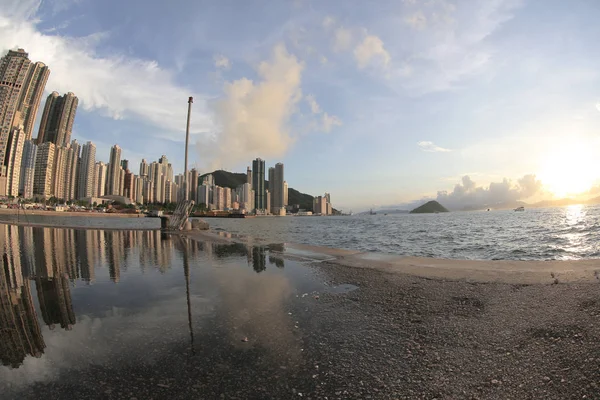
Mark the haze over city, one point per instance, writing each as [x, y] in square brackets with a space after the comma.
[378, 104]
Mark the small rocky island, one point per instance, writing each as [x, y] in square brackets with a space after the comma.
[429, 208]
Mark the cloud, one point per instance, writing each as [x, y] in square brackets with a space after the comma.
[342, 39]
[253, 117]
[222, 62]
[468, 195]
[328, 22]
[327, 122]
[312, 103]
[431, 147]
[369, 49]
[417, 20]
[118, 86]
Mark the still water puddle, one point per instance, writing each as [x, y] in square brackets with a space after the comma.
[79, 305]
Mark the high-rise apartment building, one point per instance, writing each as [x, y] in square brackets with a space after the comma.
[15, 154]
[43, 174]
[125, 165]
[72, 170]
[121, 190]
[193, 184]
[139, 190]
[87, 169]
[57, 120]
[204, 195]
[129, 185]
[100, 174]
[285, 194]
[276, 186]
[143, 168]
[113, 178]
[21, 86]
[271, 181]
[59, 170]
[227, 197]
[27, 169]
[148, 192]
[258, 184]
[249, 176]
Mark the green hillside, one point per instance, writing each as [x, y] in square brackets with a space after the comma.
[429, 207]
[233, 180]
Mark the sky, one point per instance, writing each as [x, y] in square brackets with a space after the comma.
[378, 103]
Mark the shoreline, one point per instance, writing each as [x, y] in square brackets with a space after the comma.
[4, 211]
[470, 271]
[475, 271]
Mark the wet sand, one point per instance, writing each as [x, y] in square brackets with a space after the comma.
[449, 329]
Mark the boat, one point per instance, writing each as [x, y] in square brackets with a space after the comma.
[372, 212]
[520, 208]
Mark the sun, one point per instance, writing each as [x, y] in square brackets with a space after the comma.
[570, 169]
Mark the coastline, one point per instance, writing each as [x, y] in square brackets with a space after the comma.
[476, 271]
[4, 211]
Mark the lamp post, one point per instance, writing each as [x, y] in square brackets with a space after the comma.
[187, 140]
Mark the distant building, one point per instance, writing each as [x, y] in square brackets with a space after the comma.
[22, 84]
[44, 164]
[249, 176]
[204, 195]
[87, 169]
[100, 174]
[285, 194]
[258, 184]
[271, 182]
[320, 205]
[143, 168]
[15, 155]
[114, 175]
[227, 197]
[129, 185]
[193, 185]
[27, 169]
[268, 204]
[57, 120]
[277, 189]
[125, 165]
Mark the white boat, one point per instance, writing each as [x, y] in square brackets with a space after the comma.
[520, 208]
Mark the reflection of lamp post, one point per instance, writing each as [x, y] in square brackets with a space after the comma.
[186, 271]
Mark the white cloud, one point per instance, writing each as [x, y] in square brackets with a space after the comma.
[369, 49]
[253, 116]
[342, 39]
[431, 147]
[314, 107]
[328, 22]
[222, 62]
[118, 86]
[329, 121]
[326, 122]
[417, 20]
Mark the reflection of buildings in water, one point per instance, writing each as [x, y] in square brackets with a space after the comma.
[54, 296]
[113, 250]
[20, 332]
[279, 263]
[43, 249]
[259, 259]
[87, 247]
[27, 251]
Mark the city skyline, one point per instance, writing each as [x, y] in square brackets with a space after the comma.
[470, 90]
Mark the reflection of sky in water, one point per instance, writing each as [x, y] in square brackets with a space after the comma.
[127, 291]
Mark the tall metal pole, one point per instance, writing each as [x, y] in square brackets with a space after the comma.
[187, 140]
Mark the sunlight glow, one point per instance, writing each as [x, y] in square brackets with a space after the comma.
[570, 169]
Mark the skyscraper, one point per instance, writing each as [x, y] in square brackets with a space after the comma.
[21, 85]
[143, 168]
[276, 187]
[44, 164]
[87, 170]
[57, 120]
[285, 194]
[258, 183]
[100, 174]
[114, 166]
[27, 169]
[271, 200]
[249, 176]
[15, 154]
[125, 165]
[72, 170]
[59, 170]
[193, 185]
[129, 185]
